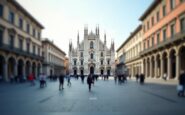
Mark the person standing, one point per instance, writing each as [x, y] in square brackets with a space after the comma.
[61, 81]
[181, 84]
[165, 76]
[89, 81]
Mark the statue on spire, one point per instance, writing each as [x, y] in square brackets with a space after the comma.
[78, 37]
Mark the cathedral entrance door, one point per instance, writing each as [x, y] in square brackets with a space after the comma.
[102, 72]
[82, 72]
[91, 70]
[75, 72]
[108, 72]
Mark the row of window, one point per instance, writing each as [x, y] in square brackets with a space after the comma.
[134, 39]
[53, 49]
[81, 55]
[55, 59]
[21, 43]
[134, 51]
[81, 62]
[151, 40]
[156, 18]
[11, 19]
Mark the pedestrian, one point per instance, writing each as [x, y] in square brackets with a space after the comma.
[42, 78]
[115, 79]
[1, 78]
[89, 81]
[31, 79]
[68, 80]
[61, 81]
[181, 86]
[82, 78]
[142, 78]
[165, 76]
[137, 77]
[11, 78]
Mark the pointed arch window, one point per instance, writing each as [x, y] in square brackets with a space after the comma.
[101, 54]
[92, 56]
[81, 54]
[91, 45]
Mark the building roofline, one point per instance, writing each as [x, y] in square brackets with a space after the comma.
[131, 35]
[149, 9]
[48, 41]
[25, 12]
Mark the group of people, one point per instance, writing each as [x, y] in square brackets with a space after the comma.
[121, 78]
[90, 80]
[140, 78]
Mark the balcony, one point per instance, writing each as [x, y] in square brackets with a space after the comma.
[176, 39]
[91, 60]
[18, 51]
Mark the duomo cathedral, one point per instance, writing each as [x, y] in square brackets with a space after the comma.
[91, 55]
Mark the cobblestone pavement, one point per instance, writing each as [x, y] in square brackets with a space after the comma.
[106, 98]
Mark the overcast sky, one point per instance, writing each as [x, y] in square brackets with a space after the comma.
[63, 19]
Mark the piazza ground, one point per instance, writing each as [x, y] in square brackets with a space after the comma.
[106, 98]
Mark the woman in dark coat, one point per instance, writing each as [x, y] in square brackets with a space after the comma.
[89, 81]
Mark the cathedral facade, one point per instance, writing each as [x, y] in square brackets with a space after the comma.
[91, 55]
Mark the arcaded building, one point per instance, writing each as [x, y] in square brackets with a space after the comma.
[54, 58]
[91, 55]
[20, 41]
[164, 38]
[131, 49]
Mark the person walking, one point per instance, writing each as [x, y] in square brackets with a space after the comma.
[137, 77]
[68, 80]
[61, 81]
[31, 79]
[142, 78]
[181, 86]
[89, 81]
[82, 78]
[1, 78]
[115, 79]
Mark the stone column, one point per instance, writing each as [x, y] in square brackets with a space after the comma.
[36, 71]
[162, 67]
[146, 68]
[24, 71]
[15, 69]
[131, 70]
[142, 67]
[169, 67]
[6, 71]
[151, 67]
[177, 66]
[30, 69]
[155, 66]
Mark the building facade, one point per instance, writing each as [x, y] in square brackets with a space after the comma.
[66, 65]
[54, 58]
[164, 38]
[91, 55]
[132, 48]
[20, 41]
[120, 61]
